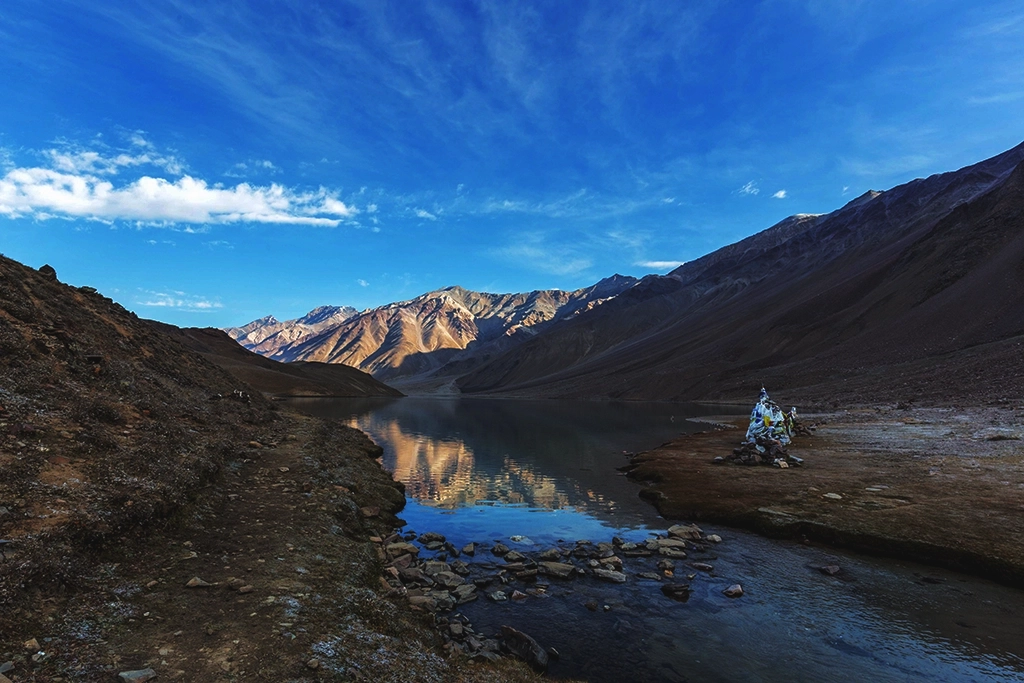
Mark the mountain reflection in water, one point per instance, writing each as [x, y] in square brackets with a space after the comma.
[541, 454]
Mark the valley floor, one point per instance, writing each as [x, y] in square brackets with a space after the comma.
[941, 486]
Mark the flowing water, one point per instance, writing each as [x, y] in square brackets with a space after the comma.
[484, 470]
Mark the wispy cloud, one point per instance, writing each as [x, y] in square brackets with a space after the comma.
[781, 194]
[177, 300]
[750, 188]
[244, 169]
[532, 250]
[80, 184]
[660, 265]
[362, 283]
[423, 213]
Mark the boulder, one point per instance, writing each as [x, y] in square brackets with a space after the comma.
[610, 575]
[677, 591]
[561, 570]
[688, 531]
[525, 648]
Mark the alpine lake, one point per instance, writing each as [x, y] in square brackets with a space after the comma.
[535, 475]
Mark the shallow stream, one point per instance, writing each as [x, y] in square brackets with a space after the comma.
[485, 470]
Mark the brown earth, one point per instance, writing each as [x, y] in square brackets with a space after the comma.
[131, 464]
[272, 377]
[940, 486]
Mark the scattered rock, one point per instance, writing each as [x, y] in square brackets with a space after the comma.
[498, 596]
[677, 591]
[500, 549]
[733, 591]
[431, 537]
[713, 538]
[6, 666]
[525, 647]
[591, 605]
[520, 539]
[703, 566]
[551, 555]
[516, 595]
[246, 589]
[469, 549]
[833, 496]
[830, 569]
[196, 582]
[137, 676]
[402, 548]
[561, 570]
[610, 575]
[32, 645]
[687, 531]
[313, 664]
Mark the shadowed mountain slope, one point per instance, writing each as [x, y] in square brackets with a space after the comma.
[273, 377]
[913, 293]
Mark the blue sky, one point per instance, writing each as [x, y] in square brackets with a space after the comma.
[206, 163]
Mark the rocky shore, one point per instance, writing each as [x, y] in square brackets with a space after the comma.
[943, 486]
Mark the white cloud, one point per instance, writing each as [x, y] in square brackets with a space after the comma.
[425, 214]
[78, 185]
[177, 300]
[749, 188]
[660, 265]
[781, 194]
[371, 208]
[363, 283]
[669, 200]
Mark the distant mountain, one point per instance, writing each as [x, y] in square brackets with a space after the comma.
[267, 335]
[441, 334]
[916, 292]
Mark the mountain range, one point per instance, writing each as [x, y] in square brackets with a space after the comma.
[915, 293]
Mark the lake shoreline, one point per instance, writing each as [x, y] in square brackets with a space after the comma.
[938, 486]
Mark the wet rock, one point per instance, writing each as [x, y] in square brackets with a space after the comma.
[650, 576]
[514, 556]
[666, 564]
[713, 538]
[561, 570]
[703, 566]
[432, 567]
[449, 579]
[469, 549]
[460, 568]
[525, 648]
[498, 596]
[551, 555]
[465, 593]
[686, 531]
[137, 676]
[431, 537]
[527, 575]
[612, 562]
[516, 595]
[591, 605]
[676, 553]
[830, 569]
[610, 575]
[733, 591]
[677, 591]
[500, 549]
[433, 546]
[396, 549]
[520, 539]
[196, 582]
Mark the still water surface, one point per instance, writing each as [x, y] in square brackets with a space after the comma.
[483, 470]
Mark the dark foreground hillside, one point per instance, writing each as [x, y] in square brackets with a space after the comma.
[158, 513]
[913, 294]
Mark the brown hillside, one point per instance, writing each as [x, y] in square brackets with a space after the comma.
[910, 294]
[273, 377]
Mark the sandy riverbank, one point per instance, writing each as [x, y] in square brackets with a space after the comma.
[940, 486]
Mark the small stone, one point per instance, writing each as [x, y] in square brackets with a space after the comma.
[4, 679]
[255, 444]
[591, 605]
[369, 511]
[830, 569]
[677, 591]
[246, 589]
[469, 549]
[514, 556]
[516, 595]
[561, 570]
[733, 591]
[283, 469]
[500, 549]
[833, 496]
[32, 645]
[688, 531]
[430, 537]
[152, 584]
[498, 596]
[6, 666]
[703, 566]
[713, 538]
[313, 664]
[137, 676]
[610, 575]
[196, 582]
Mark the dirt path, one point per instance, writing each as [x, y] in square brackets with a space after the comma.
[942, 486]
[287, 543]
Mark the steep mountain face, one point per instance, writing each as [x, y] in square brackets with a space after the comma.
[439, 334]
[267, 335]
[911, 293]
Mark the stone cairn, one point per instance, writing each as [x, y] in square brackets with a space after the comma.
[768, 436]
[454, 576]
